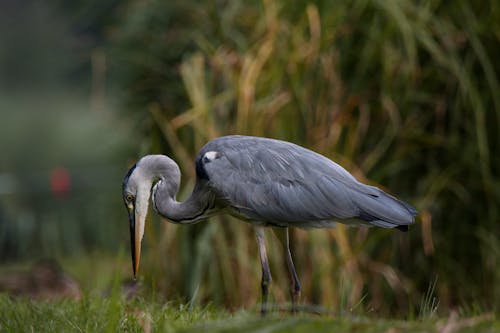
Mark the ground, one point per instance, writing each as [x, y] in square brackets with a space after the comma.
[116, 314]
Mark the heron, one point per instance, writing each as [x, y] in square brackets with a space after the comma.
[263, 181]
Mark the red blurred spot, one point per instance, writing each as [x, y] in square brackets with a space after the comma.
[60, 182]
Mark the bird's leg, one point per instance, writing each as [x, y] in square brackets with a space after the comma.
[282, 234]
[266, 272]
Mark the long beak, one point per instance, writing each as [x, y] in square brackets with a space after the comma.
[136, 232]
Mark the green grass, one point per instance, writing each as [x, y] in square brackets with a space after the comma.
[115, 314]
[96, 314]
[104, 308]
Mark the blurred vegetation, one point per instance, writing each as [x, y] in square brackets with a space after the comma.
[62, 145]
[404, 94]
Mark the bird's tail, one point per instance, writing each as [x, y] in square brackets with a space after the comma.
[384, 210]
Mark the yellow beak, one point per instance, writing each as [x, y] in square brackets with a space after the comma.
[136, 233]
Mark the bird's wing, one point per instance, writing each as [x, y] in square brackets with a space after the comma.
[285, 184]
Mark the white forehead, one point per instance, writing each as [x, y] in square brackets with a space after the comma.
[135, 180]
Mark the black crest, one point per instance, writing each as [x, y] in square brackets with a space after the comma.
[127, 176]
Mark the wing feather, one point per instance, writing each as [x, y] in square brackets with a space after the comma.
[284, 184]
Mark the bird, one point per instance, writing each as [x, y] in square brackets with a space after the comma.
[265, 182]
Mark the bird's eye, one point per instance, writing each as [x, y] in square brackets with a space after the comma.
[129, 198]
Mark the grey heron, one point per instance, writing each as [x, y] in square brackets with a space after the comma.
[266, 182]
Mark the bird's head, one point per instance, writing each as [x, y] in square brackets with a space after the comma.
[137, 185]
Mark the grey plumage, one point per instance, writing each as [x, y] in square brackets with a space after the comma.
[282, 184]
[265, 182]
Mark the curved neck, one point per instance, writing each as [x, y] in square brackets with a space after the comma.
[197, 207]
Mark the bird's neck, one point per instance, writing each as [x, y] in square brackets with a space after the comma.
[197, 207]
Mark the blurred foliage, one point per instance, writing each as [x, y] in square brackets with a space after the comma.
[42, 135]
[56, 121]
[404, 94]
